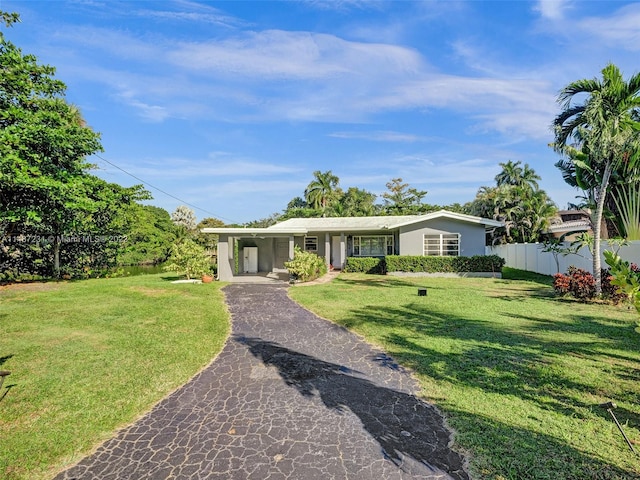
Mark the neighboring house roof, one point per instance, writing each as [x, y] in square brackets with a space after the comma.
[570, 226]
[570, 221]
[300, 226]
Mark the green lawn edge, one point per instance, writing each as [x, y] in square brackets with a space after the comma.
[518, 372]
[89, 357]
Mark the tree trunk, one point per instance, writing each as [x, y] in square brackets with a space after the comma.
[597, 227]
[56, 256]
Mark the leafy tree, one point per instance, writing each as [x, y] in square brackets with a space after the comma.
[604, 127]
[297, 202]
[44, 184]
[355, 202]
[401, 199]
[150, 236]
[189, 259]
[319, 192]
[207, 240]
[264, 222]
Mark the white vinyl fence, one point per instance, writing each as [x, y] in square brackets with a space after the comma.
[529, 256]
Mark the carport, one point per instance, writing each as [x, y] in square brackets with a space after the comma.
[246, 252]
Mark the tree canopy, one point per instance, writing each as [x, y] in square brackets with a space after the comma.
[51, 208]
[402, 199]
[516, 200]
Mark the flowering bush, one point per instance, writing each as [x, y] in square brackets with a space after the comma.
[305, 266]
[577, 282]
[580, 284]
[561, 283]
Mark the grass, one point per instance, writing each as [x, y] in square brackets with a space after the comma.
[518, 372]
[89, 357]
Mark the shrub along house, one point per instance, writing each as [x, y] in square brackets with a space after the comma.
[254, 250]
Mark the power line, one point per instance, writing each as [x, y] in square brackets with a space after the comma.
[162, 191]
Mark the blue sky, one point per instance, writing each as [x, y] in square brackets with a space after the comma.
[231, 106]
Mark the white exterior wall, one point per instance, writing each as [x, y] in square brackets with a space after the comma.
[225, 258]
[530, 257]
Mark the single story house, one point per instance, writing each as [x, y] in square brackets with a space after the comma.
[336, 238]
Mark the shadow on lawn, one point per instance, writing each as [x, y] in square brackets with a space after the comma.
[516, 362]
[529, 447]
[4, 391]
[402, 424]
[384, 282]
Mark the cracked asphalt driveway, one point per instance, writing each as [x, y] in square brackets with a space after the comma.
[291, 396]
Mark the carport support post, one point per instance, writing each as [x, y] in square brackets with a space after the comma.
[291, 247]
[327, 250]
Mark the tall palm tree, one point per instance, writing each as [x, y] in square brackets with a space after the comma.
[510, 175]
[319, 190]
[513, 174]
[529, 177]
[605, 127]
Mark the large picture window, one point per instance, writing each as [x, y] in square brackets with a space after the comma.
[372, 245]
[444, 244]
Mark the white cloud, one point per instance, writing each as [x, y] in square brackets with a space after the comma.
[278, 54]
[302, 76]
[152, 113]
[379, 136]
[552, 9]
[621, 29]
[216, 165]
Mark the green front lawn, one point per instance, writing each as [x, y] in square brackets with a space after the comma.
[91, 356]
[518, 372]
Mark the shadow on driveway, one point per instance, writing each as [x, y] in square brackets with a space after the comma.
[403, 425]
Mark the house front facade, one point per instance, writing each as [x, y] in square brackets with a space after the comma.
[254, 250]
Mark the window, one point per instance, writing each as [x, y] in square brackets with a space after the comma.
[444, 244]
[311, 244]
[373, 246]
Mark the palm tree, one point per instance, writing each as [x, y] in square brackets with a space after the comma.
[529, 177]
[319, 190]
[510, 175]
[513, 174]
[603, 126]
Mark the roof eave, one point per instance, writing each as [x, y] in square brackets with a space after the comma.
[255, 231]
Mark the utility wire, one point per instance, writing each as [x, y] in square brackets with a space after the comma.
[162, 191]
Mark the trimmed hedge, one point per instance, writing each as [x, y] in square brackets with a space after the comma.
[365, 265]
[433, 264]
[427, 264]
